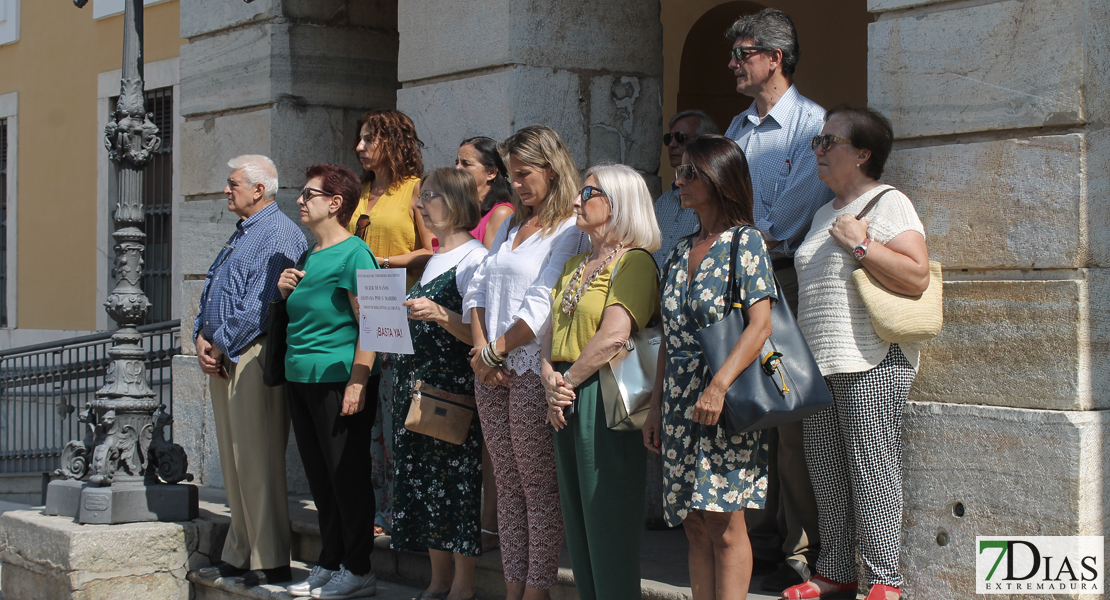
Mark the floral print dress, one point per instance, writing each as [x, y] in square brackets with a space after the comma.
[703, 467]
[437, 486]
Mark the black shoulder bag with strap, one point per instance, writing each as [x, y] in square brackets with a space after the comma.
[783, 384]
[273, 369]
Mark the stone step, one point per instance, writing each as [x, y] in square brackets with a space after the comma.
[227, 589]
[663, 561]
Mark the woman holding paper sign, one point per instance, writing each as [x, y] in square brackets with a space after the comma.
[332, 389]
[508, 303]
[438, 484]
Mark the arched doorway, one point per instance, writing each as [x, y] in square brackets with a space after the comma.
[832, 70]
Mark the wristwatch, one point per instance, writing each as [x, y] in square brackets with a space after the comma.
[385, 262]
[861, 250]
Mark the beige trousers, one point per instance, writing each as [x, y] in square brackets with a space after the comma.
[252, 430]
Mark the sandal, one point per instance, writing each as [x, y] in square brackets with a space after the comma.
[810, 591]
[882, 592]
[494, 544]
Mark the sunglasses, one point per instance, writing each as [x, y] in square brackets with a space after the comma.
[310, 193]
[685, 172]
[742, 53]
[826, 141]
[591, 192]
[428, 196]
[679, 137]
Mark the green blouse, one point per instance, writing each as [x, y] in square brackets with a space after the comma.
[323, 328]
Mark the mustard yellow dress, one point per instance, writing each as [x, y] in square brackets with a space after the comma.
[392, 229]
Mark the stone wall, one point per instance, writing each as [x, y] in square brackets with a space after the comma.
[590, 70]
[1001, 144]
[283, 78]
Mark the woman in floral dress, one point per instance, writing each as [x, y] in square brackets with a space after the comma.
[438, 485]
[709, 476]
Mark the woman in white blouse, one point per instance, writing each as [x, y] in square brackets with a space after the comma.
[508, 302]
[854, 449]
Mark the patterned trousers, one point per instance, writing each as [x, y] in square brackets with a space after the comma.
[521, 447]
[854, 451]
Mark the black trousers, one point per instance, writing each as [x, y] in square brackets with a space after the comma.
[335, 451]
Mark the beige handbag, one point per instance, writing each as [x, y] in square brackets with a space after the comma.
[628, 379]
[442, 415]
[898, 318]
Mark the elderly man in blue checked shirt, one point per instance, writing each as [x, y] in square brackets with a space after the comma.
[676, 222]
[252, 419]
[775, 134]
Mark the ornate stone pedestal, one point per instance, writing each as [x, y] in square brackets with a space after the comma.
[127, 502]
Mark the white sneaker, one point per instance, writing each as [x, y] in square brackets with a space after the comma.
[345, 584]
[318, 577]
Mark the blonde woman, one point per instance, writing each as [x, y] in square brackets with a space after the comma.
[508, 303]
[601, 299]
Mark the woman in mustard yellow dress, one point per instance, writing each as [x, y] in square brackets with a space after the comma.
[389, 151]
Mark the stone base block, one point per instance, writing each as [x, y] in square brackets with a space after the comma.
[122, 502]
[48, 558]
[984, 470]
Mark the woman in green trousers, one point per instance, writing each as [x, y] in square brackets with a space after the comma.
[602, 297]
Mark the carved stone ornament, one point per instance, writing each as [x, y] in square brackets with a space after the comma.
[131, 137]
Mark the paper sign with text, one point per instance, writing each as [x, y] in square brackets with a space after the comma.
[383, 322]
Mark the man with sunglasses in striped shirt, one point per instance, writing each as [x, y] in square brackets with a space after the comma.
[775, 134]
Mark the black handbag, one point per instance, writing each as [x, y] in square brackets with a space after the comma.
[273, 369]
[783, 385]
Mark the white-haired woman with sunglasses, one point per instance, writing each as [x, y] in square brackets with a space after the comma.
[509, 306]
[601, 299]
[854, 449]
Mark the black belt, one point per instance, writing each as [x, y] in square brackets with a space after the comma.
[786, 262]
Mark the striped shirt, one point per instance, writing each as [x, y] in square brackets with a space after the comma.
[675, 222]
[242, 281]
[783, 168]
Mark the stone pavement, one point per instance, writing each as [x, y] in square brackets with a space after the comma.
[663, 558]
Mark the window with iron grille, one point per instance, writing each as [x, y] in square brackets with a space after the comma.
[158, 208]
[3, 222]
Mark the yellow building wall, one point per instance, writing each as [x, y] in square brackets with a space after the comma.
[54, 67]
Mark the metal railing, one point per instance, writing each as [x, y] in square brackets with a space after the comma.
[45, 387]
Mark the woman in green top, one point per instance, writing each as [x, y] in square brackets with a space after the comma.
[602, 297]
[331, 392]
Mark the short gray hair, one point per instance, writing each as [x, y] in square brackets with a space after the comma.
[633, 221]
[257, 169]
[706, 126]
[773, 29]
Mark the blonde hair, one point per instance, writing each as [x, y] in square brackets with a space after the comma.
[632, 221]
[540, 147]
[460, 194]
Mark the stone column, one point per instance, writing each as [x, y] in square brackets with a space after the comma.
[1000, 112]
[591, 71]
[283, 78]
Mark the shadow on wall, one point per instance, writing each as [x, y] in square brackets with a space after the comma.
[832, 69]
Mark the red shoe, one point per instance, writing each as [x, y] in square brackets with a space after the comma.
[880, 592]
[810, 591]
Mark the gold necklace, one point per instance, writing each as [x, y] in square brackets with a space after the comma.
[571, 295]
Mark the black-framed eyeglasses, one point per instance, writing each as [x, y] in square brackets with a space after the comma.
[591, 192]
[310, 193]
[679, 137]
[685, 172]
[427, 196]
[825, 141]
[742, 53]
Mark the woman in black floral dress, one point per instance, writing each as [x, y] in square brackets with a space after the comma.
[438, 485]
